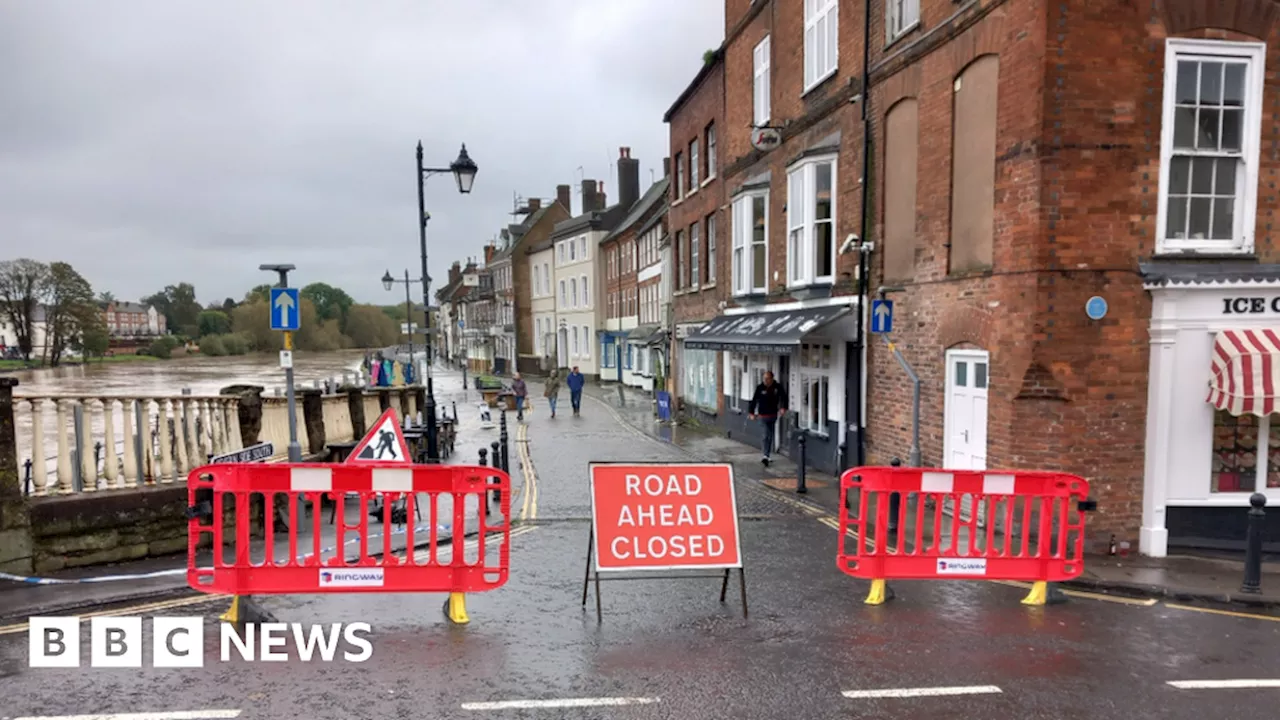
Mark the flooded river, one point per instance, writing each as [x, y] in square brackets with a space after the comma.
[202, 375]
[156, 379]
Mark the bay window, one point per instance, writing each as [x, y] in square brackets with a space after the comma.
[1209, 150]
[750, 230]
[811, 236]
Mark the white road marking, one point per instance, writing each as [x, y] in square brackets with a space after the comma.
[922, 692]
[563, 703]
[175, 715]
[1223, 684]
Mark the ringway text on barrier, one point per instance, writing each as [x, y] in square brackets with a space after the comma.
[287, 564]
[962, 525]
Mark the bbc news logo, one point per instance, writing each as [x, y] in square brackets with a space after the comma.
[178, 642]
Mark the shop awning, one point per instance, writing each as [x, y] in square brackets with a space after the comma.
[1245, 373]
[766, 332]
[642, 333]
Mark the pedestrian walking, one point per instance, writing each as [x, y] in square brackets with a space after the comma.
[768, 404]
[552, 392]
[576, 382]
[521, 391]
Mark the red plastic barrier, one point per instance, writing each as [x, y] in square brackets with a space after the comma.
[314, 565]
[962, 525]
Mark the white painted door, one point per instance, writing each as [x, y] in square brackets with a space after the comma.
[965, 431]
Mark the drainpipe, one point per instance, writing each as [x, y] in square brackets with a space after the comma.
[860, 453]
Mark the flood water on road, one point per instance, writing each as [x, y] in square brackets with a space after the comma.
[202, 375]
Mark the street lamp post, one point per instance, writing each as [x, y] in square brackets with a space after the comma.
[295, 450]
[388, 282]
[464, 172]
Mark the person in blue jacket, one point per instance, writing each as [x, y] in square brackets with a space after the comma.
[575, 381]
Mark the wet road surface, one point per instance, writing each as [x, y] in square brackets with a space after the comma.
[671, 650]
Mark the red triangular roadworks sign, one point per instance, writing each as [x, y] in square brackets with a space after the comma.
[384, 442]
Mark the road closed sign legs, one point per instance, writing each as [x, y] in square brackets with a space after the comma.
[666, 517]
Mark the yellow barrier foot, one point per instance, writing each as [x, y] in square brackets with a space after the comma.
[879, 593]
[245, 610]
[455, 608]
[1043, 593]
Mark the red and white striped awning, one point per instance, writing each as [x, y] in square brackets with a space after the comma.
[1245, 375]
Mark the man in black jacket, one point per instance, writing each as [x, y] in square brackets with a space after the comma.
[768, 404]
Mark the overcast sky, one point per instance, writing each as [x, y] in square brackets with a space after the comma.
[150, 142]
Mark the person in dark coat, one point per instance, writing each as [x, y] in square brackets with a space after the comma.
[768, 404]
[576, 381]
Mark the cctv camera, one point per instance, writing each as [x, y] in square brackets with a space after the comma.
[849, 243]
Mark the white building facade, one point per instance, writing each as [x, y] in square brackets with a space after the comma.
[542, 283]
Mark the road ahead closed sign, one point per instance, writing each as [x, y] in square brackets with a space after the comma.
[664, 517]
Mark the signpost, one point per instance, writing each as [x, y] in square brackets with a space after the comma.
[881, 316]
[383, 443]
[663, 517]
[285, 313]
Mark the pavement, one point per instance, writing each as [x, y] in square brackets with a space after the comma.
[669, 648]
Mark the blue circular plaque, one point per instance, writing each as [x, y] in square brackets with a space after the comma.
[1096, 308]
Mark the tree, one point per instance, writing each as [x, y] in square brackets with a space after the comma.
[213, 322]
[252, 321]
[72, 308]
[23, 287]
[106, 297]
[331, 303]
[369, 327]
[95, 340]
[179, 306]
[228, 305]
[259, 292]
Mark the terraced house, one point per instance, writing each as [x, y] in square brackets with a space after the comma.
[787, 172]
[1070, 205]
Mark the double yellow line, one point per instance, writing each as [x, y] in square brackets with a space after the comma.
[528, 492]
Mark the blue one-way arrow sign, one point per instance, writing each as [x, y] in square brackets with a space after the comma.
[881, 316]
[284, 309]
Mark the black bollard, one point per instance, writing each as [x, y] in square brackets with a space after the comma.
[801, 488]
[455, 411]
[895, 500]
[502, 435]
[497, 494]
[1253, 548]
[483, 463]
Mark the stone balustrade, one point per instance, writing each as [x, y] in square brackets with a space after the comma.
[112, 468]
[87, 443]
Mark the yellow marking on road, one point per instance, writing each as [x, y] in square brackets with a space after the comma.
[529, 504]
[1228, 613]
[130, 610]
[1118, 599]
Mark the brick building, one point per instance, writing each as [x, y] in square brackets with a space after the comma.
[632, 248]
[696, 229]
[616, 289]
[534, 228]
[1077, 240]
[792, 72]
